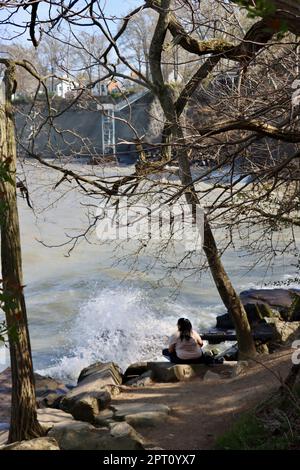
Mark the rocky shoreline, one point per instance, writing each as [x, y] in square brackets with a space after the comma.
[274, 318]
[88, 416]
[85, 417]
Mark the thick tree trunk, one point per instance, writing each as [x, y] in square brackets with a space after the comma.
[24, 423]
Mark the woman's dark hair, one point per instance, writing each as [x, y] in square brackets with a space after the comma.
[185, 328]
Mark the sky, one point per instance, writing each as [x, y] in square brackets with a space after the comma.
[121, 6]
[114, 8]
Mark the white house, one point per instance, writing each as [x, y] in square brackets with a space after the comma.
[65, 86]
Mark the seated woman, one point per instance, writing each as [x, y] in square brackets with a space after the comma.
[185, 346]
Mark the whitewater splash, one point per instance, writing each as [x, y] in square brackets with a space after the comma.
[121, 325]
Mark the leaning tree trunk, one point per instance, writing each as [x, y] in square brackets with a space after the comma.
[225, 288]
[24, 423]
[173, 130]
[229, 296]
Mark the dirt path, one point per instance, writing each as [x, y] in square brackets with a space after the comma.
[203, 410]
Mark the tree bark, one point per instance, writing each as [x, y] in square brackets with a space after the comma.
[24, 423]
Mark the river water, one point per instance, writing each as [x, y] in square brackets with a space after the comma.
[86, 306]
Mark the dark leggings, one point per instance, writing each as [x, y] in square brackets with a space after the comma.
[172, 357]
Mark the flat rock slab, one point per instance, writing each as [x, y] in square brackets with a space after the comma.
[130, 409]
[83, 436]
[41, 443]
[146, 419]
[48, 417]
[260, 332]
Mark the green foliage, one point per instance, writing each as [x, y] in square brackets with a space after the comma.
[249, 433]
[22, 99]
[5, 174]
[282, 31]
[6, 177]
[294, 310]
[3, 332]
[117, 94]
[7, 301]
[261, 8]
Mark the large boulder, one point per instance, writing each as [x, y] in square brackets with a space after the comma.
[256, 312]
[104, 373]
[168, 372]
[163, 371]
[49, 417]
[259, 304]
[279, 299]
[284, 332]
[85, 406]
[84, 436]
[104, 418]
[52, 400]
[224, 322]
[45, 386]
[124, 438]
[96, 384]
[40, 443]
